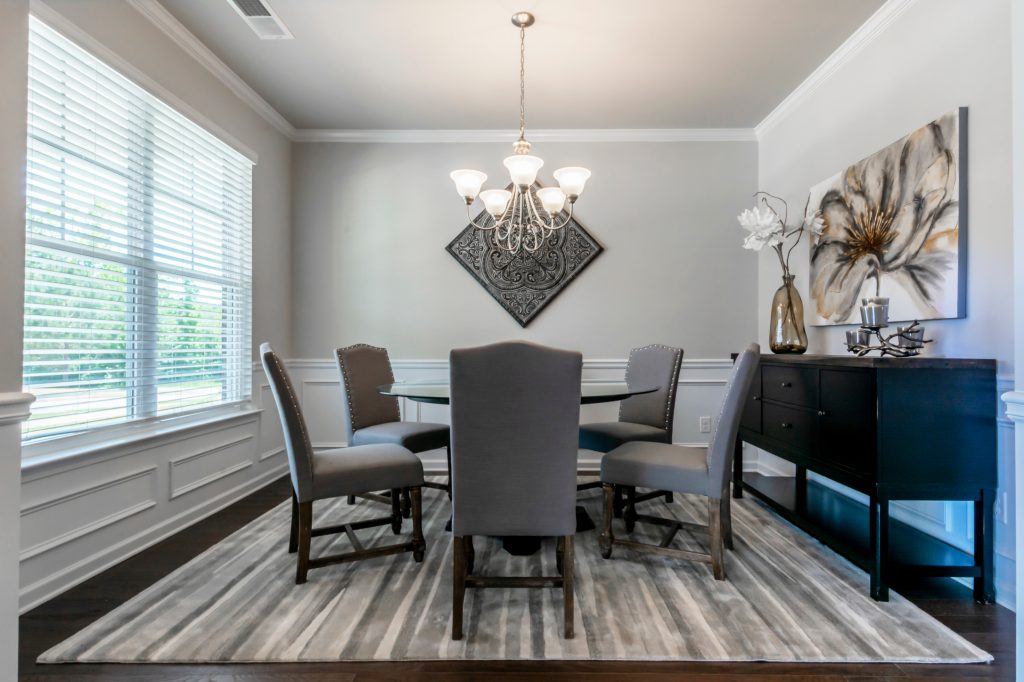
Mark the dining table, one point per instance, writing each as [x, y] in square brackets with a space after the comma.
[591, 392]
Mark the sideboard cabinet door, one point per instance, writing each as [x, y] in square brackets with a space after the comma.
[847, 421]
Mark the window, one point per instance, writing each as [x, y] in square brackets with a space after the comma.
[138, 278]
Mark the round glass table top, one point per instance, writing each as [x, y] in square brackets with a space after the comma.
[438, 393]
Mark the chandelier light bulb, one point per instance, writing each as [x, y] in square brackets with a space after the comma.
[468, 183]
[552, 199]
[572, 179]
[523, 168]
[495, 201]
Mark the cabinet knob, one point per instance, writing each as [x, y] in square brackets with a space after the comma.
[822, 413]
[786, 425]
[757, 397]
[787, 384]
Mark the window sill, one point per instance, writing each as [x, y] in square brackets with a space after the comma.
[73, 449]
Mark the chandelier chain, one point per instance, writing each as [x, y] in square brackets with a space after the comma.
[522, 83]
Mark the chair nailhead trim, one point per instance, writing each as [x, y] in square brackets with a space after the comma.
[339, 353]
[286, 381]
[671, 389]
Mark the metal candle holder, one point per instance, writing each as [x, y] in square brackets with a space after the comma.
[874, 313]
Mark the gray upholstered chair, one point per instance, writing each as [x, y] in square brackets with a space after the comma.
[372, 418]
[700, 471]
[515, 414]
[645, 417]
[339, 473]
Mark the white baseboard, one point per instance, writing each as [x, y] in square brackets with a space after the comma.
[36, 593]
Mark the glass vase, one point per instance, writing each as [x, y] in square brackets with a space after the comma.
[787, 333]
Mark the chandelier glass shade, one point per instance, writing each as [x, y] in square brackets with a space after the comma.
[524, 216]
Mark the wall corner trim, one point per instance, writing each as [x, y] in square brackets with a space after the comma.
[158, 15]
[1014, 406]
[14, 407]
[876, 24]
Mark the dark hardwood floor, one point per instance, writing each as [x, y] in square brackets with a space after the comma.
[990, 627]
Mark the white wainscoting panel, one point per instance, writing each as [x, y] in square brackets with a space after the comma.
[84, 513]
[209, 464]
[699, 393]
[67, 516]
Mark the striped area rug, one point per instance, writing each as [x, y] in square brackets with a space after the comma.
[787, 598]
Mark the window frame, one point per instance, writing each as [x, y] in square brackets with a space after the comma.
[142, 380]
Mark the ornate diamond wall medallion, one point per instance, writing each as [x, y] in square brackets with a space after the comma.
[524, 283]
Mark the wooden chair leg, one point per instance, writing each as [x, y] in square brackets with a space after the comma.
[396, 511]
[726, 505]
[717, 548]
[567, 585]
[458, 585]
[607, 539]
[351, 499]
[406, 504]
[470, 554]
[419, 544]
[293, 538]
[305, 533]
[669, 499]
[629, 514]
[618, 503]
[559, 554]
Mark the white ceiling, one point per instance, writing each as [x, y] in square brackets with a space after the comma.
[453, 64]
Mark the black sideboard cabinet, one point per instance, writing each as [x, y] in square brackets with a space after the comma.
[892, 428]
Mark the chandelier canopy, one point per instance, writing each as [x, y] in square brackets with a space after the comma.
[524, 217]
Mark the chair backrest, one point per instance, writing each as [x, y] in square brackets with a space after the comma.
[723, 440]
[515, 410]
[653, 365]
[363, 368]
[296, 436]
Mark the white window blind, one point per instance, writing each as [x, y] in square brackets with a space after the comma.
[138, 278]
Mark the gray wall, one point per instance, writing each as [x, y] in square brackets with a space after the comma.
[13, 58]
[13, 105]
[371, 222]
[124, 31]
[937, 56]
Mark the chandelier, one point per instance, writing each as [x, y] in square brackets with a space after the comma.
[526, 216]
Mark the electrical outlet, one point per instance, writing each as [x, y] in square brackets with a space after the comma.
[705, 424]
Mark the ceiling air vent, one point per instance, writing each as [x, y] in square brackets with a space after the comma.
[262, 19]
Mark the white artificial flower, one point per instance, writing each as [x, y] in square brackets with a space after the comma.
[764, 226]
[815, 223]
[756, 241]
[758, 218]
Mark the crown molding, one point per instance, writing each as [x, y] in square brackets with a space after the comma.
[176, 31]
[540, 135]
[876, 24]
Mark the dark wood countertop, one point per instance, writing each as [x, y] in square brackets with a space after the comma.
[919, 362]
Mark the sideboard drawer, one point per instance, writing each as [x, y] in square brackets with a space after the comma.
[794, 427]
[793, 385]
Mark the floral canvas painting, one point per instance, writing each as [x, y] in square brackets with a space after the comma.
[895, 226]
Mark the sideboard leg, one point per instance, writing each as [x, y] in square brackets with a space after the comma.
[984, 588]
[737, 470]
[801, 491]
[879, 548]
